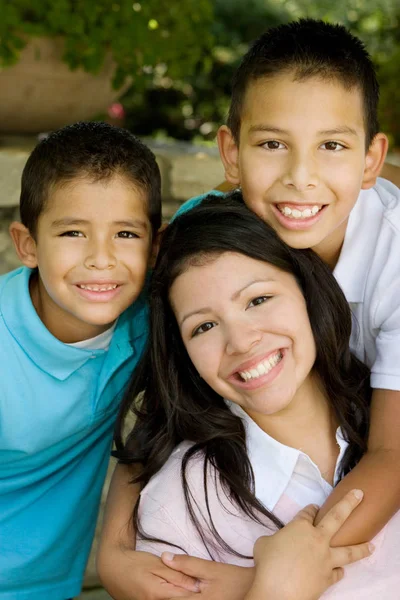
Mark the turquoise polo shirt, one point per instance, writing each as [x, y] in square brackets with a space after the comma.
[58, 406]
[192, 202]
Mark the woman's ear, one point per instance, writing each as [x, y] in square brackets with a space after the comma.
[229, 153]
[24, 244]
[155, 246]
[374, 160]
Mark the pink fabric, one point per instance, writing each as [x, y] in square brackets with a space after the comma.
[164, 515]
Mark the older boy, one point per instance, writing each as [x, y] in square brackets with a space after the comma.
[303, 143]
[72, 327]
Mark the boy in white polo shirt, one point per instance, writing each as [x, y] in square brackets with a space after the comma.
[303, 143]
[302, 139]
[73, 324]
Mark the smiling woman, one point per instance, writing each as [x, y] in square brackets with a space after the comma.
[253, 404]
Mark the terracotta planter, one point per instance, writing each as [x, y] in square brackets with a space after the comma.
[40, 93]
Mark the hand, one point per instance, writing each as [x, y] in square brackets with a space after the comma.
[143, 576]
[217, 581]
[298, 563]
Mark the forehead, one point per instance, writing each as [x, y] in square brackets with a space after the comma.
[95, 200]
[308, 105]
[221, 277]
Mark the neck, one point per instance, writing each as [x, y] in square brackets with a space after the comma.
[307, 424]
[329, 249]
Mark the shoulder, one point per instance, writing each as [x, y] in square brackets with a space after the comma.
[165, 487]
[19, 277]
[389, 197]
[192, 202]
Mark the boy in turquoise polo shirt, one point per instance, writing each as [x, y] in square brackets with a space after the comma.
[72, 327]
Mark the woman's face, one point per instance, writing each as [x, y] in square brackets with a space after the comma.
[245, 326]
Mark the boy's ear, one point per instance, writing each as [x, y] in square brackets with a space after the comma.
[229, 153]
[374, 160]
[24, 244]
[155, 246]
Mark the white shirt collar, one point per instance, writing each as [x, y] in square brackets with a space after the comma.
[362, 232]
[274, 464]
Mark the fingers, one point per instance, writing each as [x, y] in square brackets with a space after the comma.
[308, 513]
[345, 555]
[337, 575]
[194, 567]
[334, 519]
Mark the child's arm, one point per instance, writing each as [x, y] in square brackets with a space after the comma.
[377, 474]
[126, 574]
[296, 563]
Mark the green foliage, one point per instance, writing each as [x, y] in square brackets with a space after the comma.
[194, 106]
[141, 35]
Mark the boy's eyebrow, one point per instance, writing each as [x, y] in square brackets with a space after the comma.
[335, 131]
[234, 297]
[339, 130]
[68, 221]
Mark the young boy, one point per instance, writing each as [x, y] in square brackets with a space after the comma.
[303, 143]
[72, 327]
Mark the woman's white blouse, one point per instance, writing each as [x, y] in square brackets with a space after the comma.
[286, 480]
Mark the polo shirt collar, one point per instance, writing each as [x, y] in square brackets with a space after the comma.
[47, 352]
[273, 463]
[356, 256]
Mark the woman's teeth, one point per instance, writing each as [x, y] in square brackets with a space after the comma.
[295, 213]
[262, 368]
[98, 288]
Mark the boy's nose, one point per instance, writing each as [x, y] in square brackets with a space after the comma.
[100, 257]
[301, 173]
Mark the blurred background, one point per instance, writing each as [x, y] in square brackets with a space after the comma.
[161, 68]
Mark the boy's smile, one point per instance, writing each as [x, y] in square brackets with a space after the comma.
[92, 248]
[301, 158]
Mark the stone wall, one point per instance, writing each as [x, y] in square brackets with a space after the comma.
[186, 171]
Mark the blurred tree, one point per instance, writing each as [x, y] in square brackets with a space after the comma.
[194, 106]
[140, 35]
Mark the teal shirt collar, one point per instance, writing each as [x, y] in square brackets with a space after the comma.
[47, 352]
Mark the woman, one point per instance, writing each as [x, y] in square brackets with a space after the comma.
[253, 404]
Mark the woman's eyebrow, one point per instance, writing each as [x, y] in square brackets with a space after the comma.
[235, 296]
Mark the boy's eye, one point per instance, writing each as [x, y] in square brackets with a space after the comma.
[259, 300]
[273, 145]
[127, 235]
[72, 233]
[203, 328]
[333, 146]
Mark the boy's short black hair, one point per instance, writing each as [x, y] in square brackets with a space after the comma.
[308, 48]
[93, 150]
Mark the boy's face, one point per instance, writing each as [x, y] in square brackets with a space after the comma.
[92, 248]
[301, 160]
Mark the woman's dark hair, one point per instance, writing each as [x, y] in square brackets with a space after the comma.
[176, 404]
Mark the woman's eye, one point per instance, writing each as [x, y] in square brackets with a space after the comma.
[127, 235]
[333, 146]
[203, 328]
[72, 233]
[259, 300]
[273, 145]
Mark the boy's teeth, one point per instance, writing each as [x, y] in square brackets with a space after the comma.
[262, 368]
[295, 213]
[98, 288]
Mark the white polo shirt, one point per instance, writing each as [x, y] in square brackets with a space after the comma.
[368, 272]
[286, 480]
